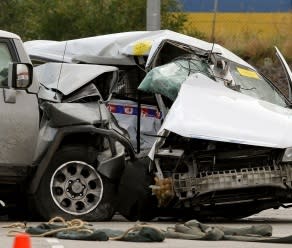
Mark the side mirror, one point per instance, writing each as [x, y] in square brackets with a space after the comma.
[20, 75]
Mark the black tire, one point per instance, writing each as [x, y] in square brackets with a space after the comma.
[72, 188]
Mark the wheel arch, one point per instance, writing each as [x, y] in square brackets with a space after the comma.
[72, 188]
[73, 135]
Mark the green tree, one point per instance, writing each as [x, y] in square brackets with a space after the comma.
[172, 16]
[18, 16]
[70, 19]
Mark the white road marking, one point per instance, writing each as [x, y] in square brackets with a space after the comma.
[54, 243]
[52, 240]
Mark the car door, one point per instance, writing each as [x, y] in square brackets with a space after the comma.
[286, 70]
[19, 117]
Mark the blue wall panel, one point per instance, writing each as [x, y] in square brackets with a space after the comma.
[237, 5]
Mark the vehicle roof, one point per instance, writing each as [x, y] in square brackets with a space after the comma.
[119, 48]
[5, 34]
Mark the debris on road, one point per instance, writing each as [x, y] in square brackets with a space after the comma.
[79, 230]
[191, 230]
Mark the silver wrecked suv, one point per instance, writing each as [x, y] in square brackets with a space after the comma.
[55, 156]
[212, 136]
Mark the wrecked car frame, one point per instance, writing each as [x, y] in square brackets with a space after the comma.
[57, 151]
[217, 133]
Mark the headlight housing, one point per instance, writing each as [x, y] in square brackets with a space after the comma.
[287, 157]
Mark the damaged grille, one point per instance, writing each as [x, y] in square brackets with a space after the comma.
[244, 157]
[221, 156]
[186, 186]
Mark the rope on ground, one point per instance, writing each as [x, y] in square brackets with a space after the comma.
[16, 225]
[77, 229]
[73, 225]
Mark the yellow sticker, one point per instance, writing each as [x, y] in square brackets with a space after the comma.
[247, 73]
[142, 47]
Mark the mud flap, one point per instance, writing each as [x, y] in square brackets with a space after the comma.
[135, 200]
[113, 167]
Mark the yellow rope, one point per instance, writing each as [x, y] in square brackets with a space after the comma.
[75, 224]
[57, 219]
[16, 225]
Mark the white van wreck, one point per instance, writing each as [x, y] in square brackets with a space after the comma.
[208, 134]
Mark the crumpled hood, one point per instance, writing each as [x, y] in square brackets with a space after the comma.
[206, 109]
[67, 78]
[70, 114]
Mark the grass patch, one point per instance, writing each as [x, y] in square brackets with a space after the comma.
[252, 36]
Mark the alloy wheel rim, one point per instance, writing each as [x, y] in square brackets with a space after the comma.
[76, 188]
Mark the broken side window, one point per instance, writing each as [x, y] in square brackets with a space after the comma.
[167, 79]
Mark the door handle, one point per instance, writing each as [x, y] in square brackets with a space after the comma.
[9, 95]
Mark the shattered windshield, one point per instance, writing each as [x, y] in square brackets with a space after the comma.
[253, 84]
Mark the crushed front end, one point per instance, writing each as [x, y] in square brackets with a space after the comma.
[220, 178]
[223, 148]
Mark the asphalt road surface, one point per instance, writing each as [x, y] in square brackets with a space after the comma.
[280, 219]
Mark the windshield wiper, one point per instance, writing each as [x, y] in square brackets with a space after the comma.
[252, 88]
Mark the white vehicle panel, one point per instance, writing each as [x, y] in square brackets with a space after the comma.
[208, 110]
[66, 78]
